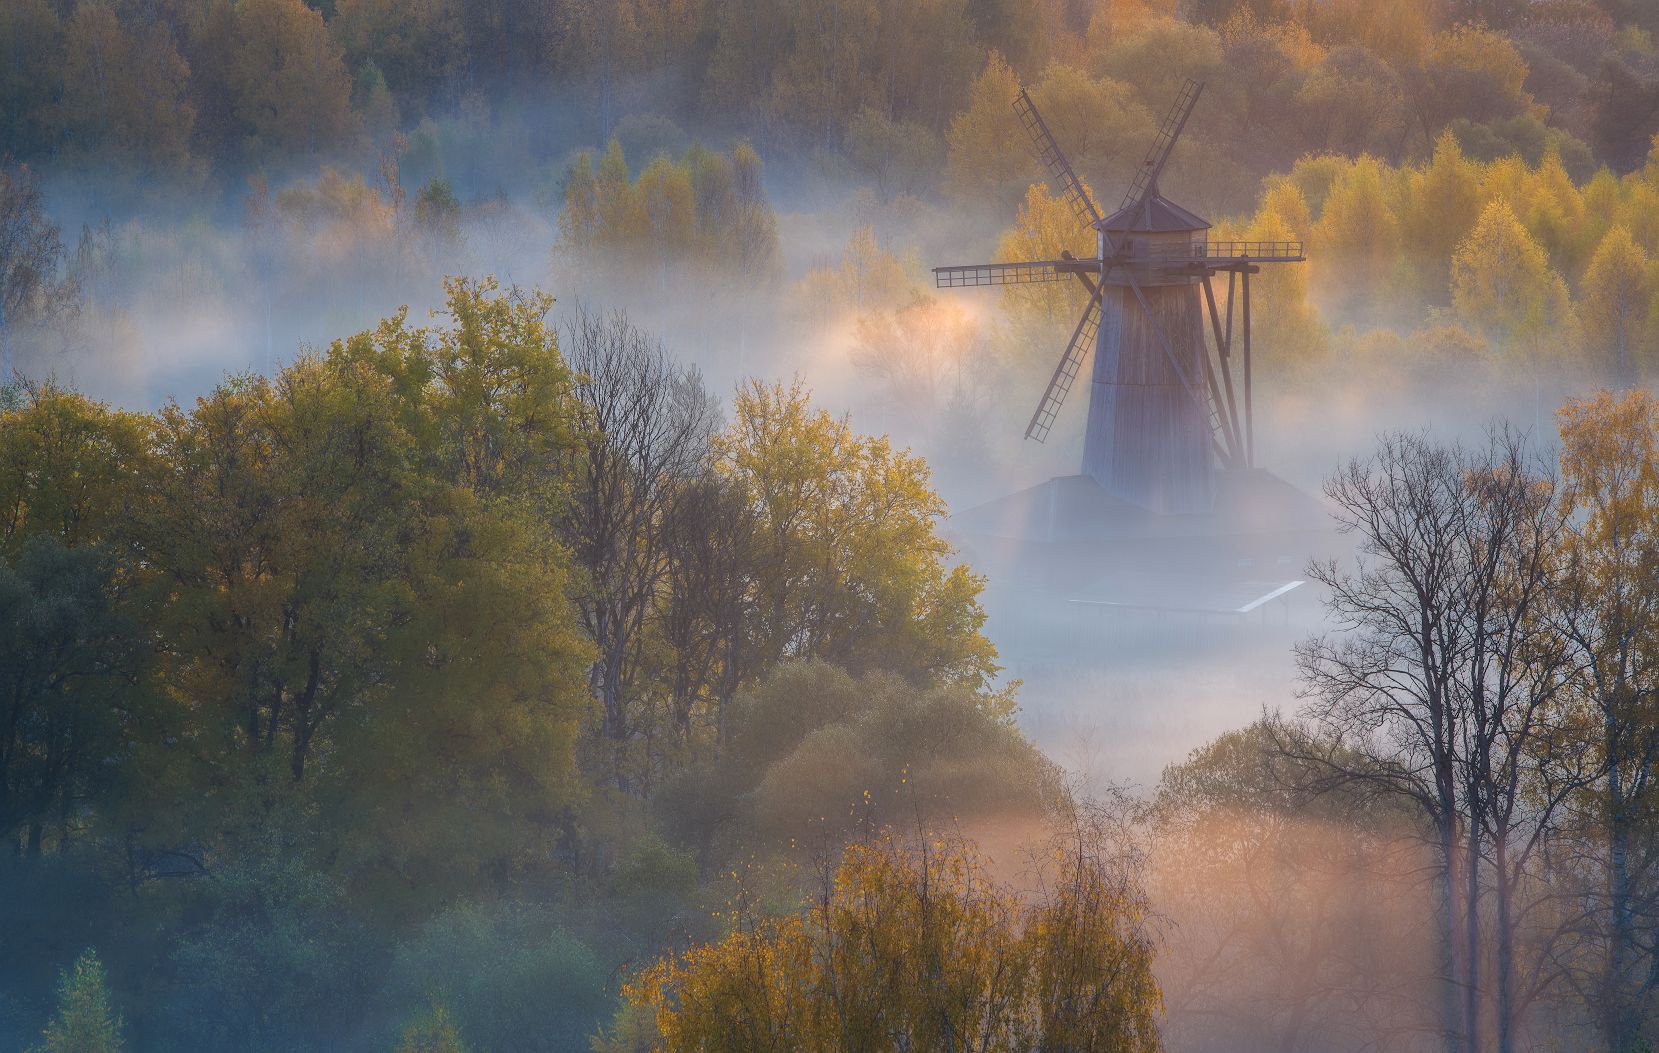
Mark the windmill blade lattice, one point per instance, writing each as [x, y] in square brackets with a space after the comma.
[1065, 374]
[1168, 132]
[1054, 159]
[979, 274]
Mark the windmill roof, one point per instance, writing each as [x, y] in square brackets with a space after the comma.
[1154, 215]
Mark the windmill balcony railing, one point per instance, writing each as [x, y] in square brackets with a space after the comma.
[1223, 250]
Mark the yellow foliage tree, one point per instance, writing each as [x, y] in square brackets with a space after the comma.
[1045, 227]
[1287, 328]
[1555, 214]
[1356, 239]
[1502, 282]
[1442, 202]
[1617, 303]
[987, 161]
[126, 92]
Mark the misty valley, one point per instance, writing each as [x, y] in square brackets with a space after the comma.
[930, 526]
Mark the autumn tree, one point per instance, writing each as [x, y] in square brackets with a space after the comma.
[984, 161]
[419, 47]
[1046, 228]
[288, 80]
[126, 93]
[1617, 304]
[915, 946]
[1355, 240]
[75, 662]
[1442, 203]
[339, 541]
[705, 214]
[433, 1032]
[1502, 281]
[1610, 482]
[31, 37]
[1471, 71]
[1272, 880]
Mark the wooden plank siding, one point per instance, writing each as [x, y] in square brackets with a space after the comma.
[1148, 438]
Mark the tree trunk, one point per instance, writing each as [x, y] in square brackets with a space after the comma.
[1471, 939]
[1505, 950]
[1450, 1007]
[1620, 1028]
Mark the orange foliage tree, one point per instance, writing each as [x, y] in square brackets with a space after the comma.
[915, 946]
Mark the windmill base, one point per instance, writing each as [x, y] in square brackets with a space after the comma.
[1071, 540]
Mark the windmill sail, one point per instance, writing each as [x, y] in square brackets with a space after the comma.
[1168, 132]
[1065, 374]
[1049, 153]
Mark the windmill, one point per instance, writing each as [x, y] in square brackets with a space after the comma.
[1162, 415]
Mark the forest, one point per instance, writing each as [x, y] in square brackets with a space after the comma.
[476, 568]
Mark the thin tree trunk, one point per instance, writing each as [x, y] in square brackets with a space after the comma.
[1471, 939]
[1503, 891]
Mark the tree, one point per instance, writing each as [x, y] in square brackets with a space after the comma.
[1502, 282]
[645, 426]
[851, 567]
[1441, 205]
[1045, 228]
[1617, 304]
[339, 544]
[73, 659]
[1470, 71]
[506, 975]
[86, 1022]
[1356, 239]
[71, 668]
[1440, 686]
[30, 253]
[288, 80]
[812, 751]
[916, 947]
[432, 1032]
[126, 93]
[1610, 487]
[900, 157]
[1274, 887]
[986, 162]
[419, 47]
[31, 37]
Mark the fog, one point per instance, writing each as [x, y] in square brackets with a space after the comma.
[178, 298]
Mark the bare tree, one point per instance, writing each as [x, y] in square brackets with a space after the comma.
[1382, 688]
[711, 551]
[1441, 681]
[645, 425]
[1520, 760]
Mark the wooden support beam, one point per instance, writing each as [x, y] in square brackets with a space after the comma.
[1249, 403]
[1222, 350]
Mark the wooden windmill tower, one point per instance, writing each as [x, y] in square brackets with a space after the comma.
[1163, 416]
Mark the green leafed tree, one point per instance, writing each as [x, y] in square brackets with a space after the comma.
[86, 1020]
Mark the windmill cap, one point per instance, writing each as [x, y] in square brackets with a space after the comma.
[1156, 214]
